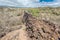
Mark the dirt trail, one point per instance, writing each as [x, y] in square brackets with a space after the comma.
[34, 29]
[16, 35]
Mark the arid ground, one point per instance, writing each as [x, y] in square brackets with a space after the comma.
[29, 23]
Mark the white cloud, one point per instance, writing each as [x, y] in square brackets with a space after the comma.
[28, 3]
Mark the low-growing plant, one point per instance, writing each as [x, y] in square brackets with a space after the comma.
[35, 12]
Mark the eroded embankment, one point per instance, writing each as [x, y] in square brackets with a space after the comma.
[41, 29]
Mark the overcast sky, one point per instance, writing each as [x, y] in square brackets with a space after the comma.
[29, 3]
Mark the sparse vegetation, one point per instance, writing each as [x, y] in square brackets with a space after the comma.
[35, 12]
[11, 18]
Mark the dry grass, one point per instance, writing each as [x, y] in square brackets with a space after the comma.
[11, 18]
[47, 13]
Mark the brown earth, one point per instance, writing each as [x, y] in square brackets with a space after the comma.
[34, 29]
[16, 35]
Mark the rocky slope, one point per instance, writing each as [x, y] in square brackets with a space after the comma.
[34, 29]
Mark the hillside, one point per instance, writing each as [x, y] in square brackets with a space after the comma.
[46, 21]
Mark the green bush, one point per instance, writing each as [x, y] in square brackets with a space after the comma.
[35, 12]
